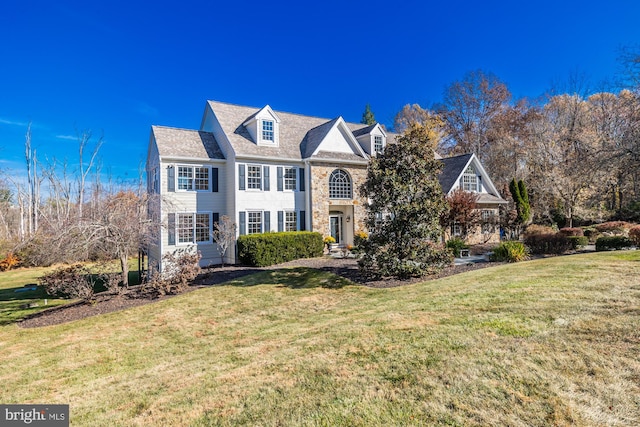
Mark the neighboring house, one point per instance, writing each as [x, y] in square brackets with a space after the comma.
[466, 172]
[268, 171]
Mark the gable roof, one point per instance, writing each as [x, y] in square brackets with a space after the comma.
[186, 143]
[453, 167]
[299, 137]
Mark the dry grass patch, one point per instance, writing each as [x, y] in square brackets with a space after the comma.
[547, 342]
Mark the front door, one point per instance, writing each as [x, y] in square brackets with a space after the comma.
[335, 225]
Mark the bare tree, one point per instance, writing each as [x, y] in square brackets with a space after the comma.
[469, 107]
[224, 234]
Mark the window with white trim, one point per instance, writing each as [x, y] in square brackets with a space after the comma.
[470, 179]
[254, 177]
[290, 178]
[193, 178]
[193, 227]
[254, 222]
[340, 185]
[377, 144]
[488, 221]
[267, 131]
[290, 221]
[456, 229]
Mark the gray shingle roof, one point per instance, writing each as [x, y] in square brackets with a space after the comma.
[452, 169]
[174, 142]
[299, 135]
[314, 137]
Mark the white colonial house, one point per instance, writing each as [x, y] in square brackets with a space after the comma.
[271, 171]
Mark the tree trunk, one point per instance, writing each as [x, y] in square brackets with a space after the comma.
[124, 265]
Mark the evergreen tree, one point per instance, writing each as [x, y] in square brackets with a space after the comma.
[367, 117]
[406, 204]
[521, 199]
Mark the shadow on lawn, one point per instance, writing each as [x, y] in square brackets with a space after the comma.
[292, 278]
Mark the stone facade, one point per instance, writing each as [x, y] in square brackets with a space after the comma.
[482, 234]
[354, 209]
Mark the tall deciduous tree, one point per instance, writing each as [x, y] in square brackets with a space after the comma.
[469, 107]
[368, 117]
[406, 203]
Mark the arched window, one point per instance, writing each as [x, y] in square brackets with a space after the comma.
[339, 185]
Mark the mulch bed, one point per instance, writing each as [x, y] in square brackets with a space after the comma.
[104, 303]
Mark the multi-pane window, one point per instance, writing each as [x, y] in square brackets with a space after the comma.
[193, 178]
[254, 177]
[377, 144]
[203, 228]
[456, 229]
[154, 184]
[185, 178]
[488, 221]
[267, 130]
[290, 178]
[201, 178]
[184, 228]
[470, 179]
[290, 221]
[339, 185]
[254, 222]
[193, 228]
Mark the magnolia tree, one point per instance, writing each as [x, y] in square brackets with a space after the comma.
[406, 204]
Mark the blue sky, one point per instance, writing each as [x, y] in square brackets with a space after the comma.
[118, 67]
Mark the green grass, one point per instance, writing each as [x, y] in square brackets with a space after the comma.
[546, 342]
[14, 306]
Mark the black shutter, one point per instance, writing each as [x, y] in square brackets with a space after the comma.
[280, 179]
[171, 228]
[243, 223]
[267, 222]
[241, 178]
[214, 180]
[266, 186]
[303, 221]
[171, 178]
[216, 219]
[302, 184]
[280, 221]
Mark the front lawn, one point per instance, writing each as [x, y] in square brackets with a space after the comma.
[547, 342]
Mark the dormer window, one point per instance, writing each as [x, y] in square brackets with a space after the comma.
[377, 144]
[267, 130]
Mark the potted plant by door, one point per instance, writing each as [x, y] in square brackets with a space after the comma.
[329, 242]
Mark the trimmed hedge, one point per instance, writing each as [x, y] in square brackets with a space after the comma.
[571, 232]
[261, 250]
[578, 241]
[609, 243]
[548, 243]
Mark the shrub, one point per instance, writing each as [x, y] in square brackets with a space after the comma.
[535, 229]
[455, 245]
[8, 262]
[510, 251]
[180, 268]
[571, 231]
[360, 238]
[385, 262]
[609, 243]
[615, 227]
[73, 281]
[578, 241]
[261, 250]
[592, 234]
[634, 235]
[555, 243]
